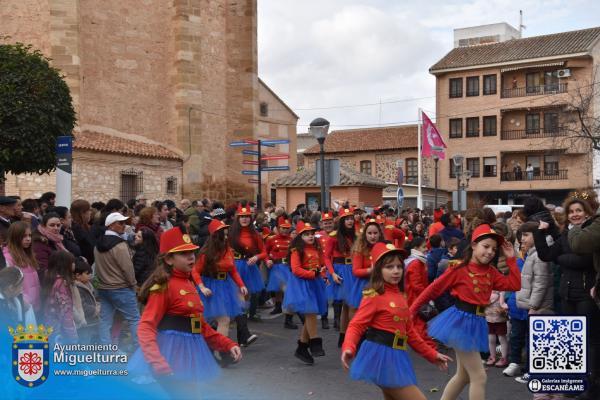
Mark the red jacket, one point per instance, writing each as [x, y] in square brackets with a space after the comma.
[277, 246]
[360, 264]
[415, 279]
[387, 312]
[394, 235]
[305, 265]
[472, 283]
[248, 237]
[225, 264]
[177, 297]
[331, 251]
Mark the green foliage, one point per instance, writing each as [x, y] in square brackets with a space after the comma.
[35, 108]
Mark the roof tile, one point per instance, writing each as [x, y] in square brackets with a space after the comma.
[102, 142]
[348, 177]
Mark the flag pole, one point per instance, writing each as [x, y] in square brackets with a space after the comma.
[420, 160]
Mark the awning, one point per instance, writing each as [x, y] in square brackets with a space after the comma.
[517, 67]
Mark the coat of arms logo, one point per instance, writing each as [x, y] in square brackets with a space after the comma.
[30, 354]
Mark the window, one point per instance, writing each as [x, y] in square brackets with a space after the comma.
[456, 128]
[551, 122]
[473, 127]
[473, 86]
[132, 184]
[551, 81]
[365, 167]
[452, 169]
[171, 185]
[535, 163]
[412, 170]
[532, 123]
[473, 166]
[550, 165]
[456, 87]
[489, 84]
[264, 109]
[489, 166]
[489, 125]
[533, 82]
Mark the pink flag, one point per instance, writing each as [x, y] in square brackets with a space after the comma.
[433, 144]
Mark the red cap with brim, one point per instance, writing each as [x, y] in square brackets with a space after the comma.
[174, 241]
[302, 226]
[380, 249]
[485, 230]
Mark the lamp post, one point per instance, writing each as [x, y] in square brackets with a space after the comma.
[318, 128]
[435, 192]
[462, 178]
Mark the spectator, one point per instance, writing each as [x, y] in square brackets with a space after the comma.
[7, 213]
[434, 256]
[14, 309]
[140, 199]
[146, 251]
[91, 308]
[185, 204]
[199, 218]
[47, 200]
[450, 230]
[116, 278]
[419, 229]
[163, 216]
[46, 240]
[31, 212]
[149, 220]
[66, 222]
[529, 171]
[81, 213]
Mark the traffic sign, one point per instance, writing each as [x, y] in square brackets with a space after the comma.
[238, 144]
[275, 157]
[276, 168]
[249, 172]
[250, 152]
[274, 141]
[249, 162]
[252, 180]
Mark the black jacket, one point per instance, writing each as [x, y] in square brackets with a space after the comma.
[70, 243]
[578, 274]
[107, 242]
[86, 242]
[144, 257]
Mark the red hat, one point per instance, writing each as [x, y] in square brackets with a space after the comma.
[266, 232]
[283, 222]
[243, 211]
[302, 226]
[372, 220]
[174, 240]
[345, 212]
[326, 216]
[216, 225]
[486, 230]
[380, 249]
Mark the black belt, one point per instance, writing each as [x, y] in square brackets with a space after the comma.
[221, 275]
[239, 256]
[394, 340]
[180, 323]
[342, 260]
[470, 308]
[280, 261]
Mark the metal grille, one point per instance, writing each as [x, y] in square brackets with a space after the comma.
[132, 184]
[171, 185]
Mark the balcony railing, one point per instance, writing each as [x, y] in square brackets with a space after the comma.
[541, 175]
[532, 133]
[534, 90]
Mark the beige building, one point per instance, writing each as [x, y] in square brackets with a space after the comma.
[176, 77]
[506, 106]
[379, 152]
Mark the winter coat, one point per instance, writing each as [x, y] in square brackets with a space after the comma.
[449, 232]
[578, 275]
[586, 240]
[144, 257]
[85, 240]
[31, 281]
[114, 267]
[433, 259]
[88, 302]
[537, 289]
[58, 311]
[43, 248]
[70, 242]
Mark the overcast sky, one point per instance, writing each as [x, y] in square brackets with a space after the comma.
[325, 53]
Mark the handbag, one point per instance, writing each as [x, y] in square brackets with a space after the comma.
[427, 311]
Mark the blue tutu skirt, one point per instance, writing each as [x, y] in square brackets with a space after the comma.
[188, 356]
[226, 299]
[305, 296]
[460, 330]
[279, 274]
[383, 366]
[344, 290]
[250, 275]
[333, 290]
[356, 294]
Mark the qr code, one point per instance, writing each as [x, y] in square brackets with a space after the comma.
[557, 345]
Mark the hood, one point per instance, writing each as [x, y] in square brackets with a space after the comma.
[107, 242]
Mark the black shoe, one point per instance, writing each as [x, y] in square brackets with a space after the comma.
[289, 322]
[324, 323]
[276, 310]
[255, 318]
[251, 339]
[302, 353]
[341, 340]
[336, 324]
[316, 347]
[242, 328]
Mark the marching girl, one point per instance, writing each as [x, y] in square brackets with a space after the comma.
[405, 227]
[338, 259]
[221, 288]
[305, 292]
[277, 247]
[249, 251]
[384, 319]
[174, 337]
[362, 263]
[326, 224]
[463, 326]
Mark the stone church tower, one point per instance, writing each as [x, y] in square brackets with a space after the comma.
[180, 75]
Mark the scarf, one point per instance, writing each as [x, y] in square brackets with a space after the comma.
[57, 238]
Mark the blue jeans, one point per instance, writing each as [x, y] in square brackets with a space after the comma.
[518, 340]
[124, 301]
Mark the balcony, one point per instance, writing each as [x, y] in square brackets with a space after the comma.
[534, 90]
[532, 133]
[539, 175]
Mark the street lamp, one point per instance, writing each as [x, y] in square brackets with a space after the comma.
[462, 178]
[318, 128]
[436, 159]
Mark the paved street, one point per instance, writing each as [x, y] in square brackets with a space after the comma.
[269, 371]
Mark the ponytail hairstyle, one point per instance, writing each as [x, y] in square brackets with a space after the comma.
[343, 234]
[377, 283]
[213, 250]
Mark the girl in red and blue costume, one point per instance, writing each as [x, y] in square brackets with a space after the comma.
[327, 225]
[305, 293]
[383, 319]
[173, 334]
[221, 287]
[463, 326]
[362, 263]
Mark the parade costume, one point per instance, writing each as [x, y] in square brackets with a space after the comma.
[322, 236]
[392, 234]
[340, 263]
[277, 249]
[415, 281]
[463, 326]
[360, 264]
[252, 245]
[173, 335]
[385, 322]
[225, 283]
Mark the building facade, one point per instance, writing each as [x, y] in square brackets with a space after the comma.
[507, 107]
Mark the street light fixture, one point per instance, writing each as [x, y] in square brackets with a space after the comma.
[318, 129]
[462, 178]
